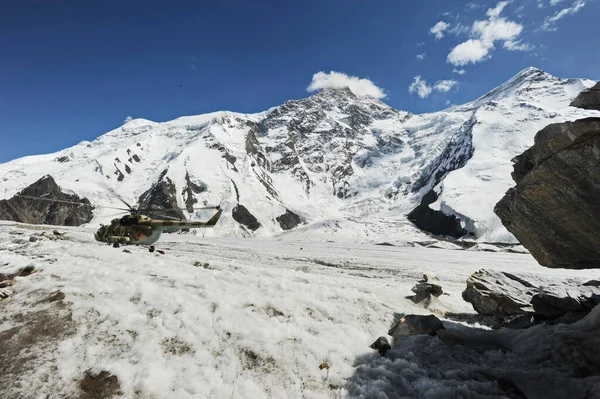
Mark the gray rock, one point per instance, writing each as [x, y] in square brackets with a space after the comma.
[382, 345]
[42, 211]
[497, 293]
[33, 239]
[553, 208]
[288, 220]
[589, 99]
[503, 294]
[425, 290]
[415, 324]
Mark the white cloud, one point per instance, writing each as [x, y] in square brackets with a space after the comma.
[420, 44]
[424, 90]
[438, 29]
[421, 56]
[420, 87]
[496, 11]
[459, 71]
[575, 8]
[518, 46]
[445, 86]
[484, 34]
[471, 51]
[555, 2]
[128, 119]
[338, 80]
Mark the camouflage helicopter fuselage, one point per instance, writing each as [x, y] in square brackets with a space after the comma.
[136, 229]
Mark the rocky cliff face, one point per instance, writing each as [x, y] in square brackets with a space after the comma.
[589, 99]
[553, 210]
[43, 211]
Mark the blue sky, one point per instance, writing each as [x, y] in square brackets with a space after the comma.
[73, 70]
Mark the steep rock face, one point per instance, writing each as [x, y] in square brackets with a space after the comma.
[288, 220]
[42, 211]
[588, 99]
[436, 222]
[242, 215]
[553, 210]
[162, 197]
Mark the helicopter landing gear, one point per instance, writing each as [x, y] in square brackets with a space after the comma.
[151, 248]
[116, 245]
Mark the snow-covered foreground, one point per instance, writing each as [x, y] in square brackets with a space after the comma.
[236, 318]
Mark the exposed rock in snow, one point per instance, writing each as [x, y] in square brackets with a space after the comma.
[331, 156]
[506, 294]
[588, 99]
[411, 324]
[43, 211]
[288, 220]
[241, 215]
[553, 210]
[498, 293]
[434, 221]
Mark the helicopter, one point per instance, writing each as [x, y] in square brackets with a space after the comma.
[137, 228]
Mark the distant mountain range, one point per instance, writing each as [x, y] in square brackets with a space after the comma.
[332, 163]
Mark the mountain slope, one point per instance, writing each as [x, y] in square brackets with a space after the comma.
[335, 161]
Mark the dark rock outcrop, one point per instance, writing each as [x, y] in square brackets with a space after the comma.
[288, 220]
[242, 215]
[553, 210]
[43, 211]
[412, 324]
[436, 222]
[162, 197]
[589, 99]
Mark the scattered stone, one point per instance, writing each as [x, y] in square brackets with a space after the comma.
[424, 290]
[324, 366]
[57, 296]
[5, 293]
[382, 345]
[414, 325]
[7, 283]
[127, 251]
[58, 233]
[33, 239]
[26, 271]
[102, 385]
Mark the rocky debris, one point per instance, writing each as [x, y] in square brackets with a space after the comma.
[102, 385]
[7, 283]
[503, 294]
[288, 220]
[5, 293]
[588, 99]
[243, 216]
[415, 324]
[553, 209]
[190, 189]
[436, 222]
[424, 290]
[42, 211]
[381, 345]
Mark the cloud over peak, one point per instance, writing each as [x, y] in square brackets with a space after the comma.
[339, 80]
[423, 89]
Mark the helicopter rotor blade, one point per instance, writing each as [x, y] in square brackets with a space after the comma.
[70, 202]
[165, 216]
[176, 209]
[117, 196]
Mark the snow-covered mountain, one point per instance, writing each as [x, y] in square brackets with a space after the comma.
[334, 162]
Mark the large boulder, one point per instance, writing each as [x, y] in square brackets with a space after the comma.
[494, 293]
[589, 99]
[67, 210]
[553, 210]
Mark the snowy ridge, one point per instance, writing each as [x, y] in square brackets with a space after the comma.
[333, 156]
